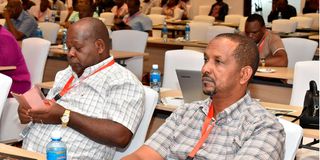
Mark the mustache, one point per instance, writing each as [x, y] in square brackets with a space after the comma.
[206, 77]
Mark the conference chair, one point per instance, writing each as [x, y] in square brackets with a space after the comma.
[233, 19]
[199, 30]
[294, 135]
[2, 21]
[284, 25]
[299, 49]
[177, 14]
[213, 31]
[50, 31]
[5, 82]
[156, 19]
[156, 10]
[150, 102]
[315, 17]
[180, 59]
[204, 18]
[204, 9]
[304, 72]
[108, 18]
[302, 22]
[131, 41]
[242, 24]
[35, 52]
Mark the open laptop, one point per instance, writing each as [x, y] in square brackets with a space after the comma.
[190, 85]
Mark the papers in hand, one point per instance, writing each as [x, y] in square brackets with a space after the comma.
[32, 98]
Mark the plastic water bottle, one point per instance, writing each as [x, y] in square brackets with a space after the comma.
[56, 149]
[165, 32]
[39, 33]
[279, 15]
[187, 32]
[64, 39]
[53, 17]
[46, 18]
[155, 78]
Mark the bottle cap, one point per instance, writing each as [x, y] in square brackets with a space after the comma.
[56, 134]
[155, 66]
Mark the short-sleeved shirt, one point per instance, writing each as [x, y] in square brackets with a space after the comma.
[113, 93]
[139, 22]
[270, 44]
[26, 24]
[11, 55]
[74, 17]
[244, 130]
[41, 16]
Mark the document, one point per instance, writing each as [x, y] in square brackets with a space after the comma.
[33, 98]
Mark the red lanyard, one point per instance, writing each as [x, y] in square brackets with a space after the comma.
[262, 43]
[68, 86]
[206, 129]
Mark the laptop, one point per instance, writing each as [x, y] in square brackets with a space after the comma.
[191, 85]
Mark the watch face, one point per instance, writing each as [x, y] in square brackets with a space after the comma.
[65, 119]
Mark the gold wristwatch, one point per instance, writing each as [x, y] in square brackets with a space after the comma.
[65, 118]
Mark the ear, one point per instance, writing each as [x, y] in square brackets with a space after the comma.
[100, 46]
[245, 74]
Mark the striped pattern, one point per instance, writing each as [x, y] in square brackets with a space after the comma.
[243, 130]
[113, 93]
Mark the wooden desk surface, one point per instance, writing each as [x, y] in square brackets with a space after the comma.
[296, 110]
[172, 41]
[279, 73]
[20, 152]
[5, 68]
[116, 54]
[297, 34]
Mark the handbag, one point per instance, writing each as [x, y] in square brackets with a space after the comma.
[309, 117]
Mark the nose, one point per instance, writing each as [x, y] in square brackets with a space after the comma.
[71, 52]
[205, 68]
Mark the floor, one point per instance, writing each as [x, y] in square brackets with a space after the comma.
[306, 154]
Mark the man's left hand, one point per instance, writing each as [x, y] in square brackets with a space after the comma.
[50, 115]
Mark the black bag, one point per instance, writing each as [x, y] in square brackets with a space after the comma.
[309, 117]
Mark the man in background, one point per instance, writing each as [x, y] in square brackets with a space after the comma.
[229, 124]
[271, 48]
[281, 10]
[219, 10]
[19, 22]
[96, 103]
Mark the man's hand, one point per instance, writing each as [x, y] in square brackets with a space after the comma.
[6, 14]
[24, 116]
[50, 115]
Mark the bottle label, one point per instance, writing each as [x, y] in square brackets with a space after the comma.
[155, 77]
[57, 154]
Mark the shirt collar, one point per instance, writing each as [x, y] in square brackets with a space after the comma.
[91, 69]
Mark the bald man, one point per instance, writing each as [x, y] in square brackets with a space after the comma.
[102, 109]
[20, 23]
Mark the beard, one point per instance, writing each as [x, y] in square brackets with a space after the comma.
[206, 80]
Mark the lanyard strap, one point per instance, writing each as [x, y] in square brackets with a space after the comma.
[262, 43]
[68, 86]
[205, 131]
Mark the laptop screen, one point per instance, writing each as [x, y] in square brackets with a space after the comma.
[190, 85]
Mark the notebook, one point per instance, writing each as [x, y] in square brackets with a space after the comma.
[191, 85]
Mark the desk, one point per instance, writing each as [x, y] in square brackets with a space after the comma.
[310, 133]
[226, 24]
[172, 41]
[20, 152]
[314, 37]
[6, 68]
[280, 73]
[297, 34]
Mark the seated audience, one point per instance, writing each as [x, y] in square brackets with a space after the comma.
[135, 20]
[11, 55]
[120, 9]
[146, 5]
[41, 12]
[84, 9]
[103, 106]
[19, 22]
[281, 10]
[269, 44]
[311, 6]
[169, 8]
[27, 4]
[58, 5]
[229, 124]
[219, 10]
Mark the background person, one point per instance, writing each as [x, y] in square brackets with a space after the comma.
[101, 112]
[19, 22]
[271, 48]
[219, 10]
[281, 9]
[231, 124]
